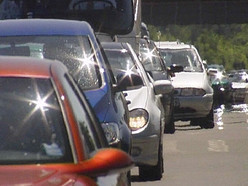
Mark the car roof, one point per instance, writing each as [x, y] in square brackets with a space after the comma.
[27, 66]
[112, 45]
[172, 45]
[44, 27]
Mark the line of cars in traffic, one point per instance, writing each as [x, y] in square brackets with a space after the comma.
[126, 122]
[132, 100]
[229, 87]
[193, 94]
[147, 118]
[46, 127]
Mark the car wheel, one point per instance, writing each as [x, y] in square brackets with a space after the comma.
[129, 178]
[208, 121]
[170, 126]
[195, 122]
[153, 172]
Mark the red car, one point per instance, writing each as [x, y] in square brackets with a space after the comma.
[49, 134]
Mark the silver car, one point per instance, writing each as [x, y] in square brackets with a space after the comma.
[239, 86]
[193, 99]
[157, 70]
[146, 109]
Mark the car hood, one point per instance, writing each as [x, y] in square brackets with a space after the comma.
[188, 79]
[137, 97]
[34, 177]
[38, 175]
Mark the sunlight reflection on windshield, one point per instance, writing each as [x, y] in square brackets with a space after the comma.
[40, 104]
[149, 55]
[127, 72]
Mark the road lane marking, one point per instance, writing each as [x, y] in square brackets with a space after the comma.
[217, 146]
[170, 146]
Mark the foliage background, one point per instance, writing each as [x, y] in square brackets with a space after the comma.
[217, 44]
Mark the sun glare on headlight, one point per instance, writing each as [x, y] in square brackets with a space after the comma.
[138, 119]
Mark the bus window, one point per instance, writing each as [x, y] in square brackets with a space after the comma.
[108, 16]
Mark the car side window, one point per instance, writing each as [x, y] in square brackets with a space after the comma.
[82, 118]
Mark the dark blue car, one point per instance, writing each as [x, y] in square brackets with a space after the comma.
[74, 44]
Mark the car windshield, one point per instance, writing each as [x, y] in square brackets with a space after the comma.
[32, 129]
[121, 62]
[150, 58]
[186, 58]
[239, 77]
[75, 52]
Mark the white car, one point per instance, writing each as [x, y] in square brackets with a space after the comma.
[239, 86]
[193, 99]
[146, 110]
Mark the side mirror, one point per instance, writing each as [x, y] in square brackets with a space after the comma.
[104, 161]
[163, 87]
[125, 81]
[176, 68]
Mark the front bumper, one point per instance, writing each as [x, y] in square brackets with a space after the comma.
[145, 149]
[190, 107]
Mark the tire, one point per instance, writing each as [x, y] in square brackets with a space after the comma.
[195, 122]
[153, 172]
[170, 126]
[208, 121]
[129, 178]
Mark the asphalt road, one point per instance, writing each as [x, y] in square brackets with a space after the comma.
[206, 157]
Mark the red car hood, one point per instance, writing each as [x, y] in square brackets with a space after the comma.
[33, 175]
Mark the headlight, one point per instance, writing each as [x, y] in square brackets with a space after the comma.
[112, 132]
[138, 119]
[190, 92]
